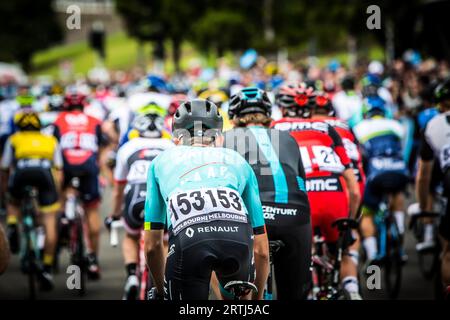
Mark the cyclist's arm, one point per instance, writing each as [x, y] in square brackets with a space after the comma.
[261, 243]
[58, 165]
[6, 163]
[155, 219]
[348, 174]
[120, 181]
[424, 173]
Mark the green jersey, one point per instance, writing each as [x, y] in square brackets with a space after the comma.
[189, 185]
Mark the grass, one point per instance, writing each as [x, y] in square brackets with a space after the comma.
[122, 52]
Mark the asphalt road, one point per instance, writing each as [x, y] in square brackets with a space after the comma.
[13, 284]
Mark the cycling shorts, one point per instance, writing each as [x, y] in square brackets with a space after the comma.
[293, 261]
[220, 246]
[444, 228]
[87, 173]
[328, 199]
[382, 184]
[133, 213]
[40, 178]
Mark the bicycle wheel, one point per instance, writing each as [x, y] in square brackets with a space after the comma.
[428, 263]
[393, 263]
[30, 260]
[78, 257]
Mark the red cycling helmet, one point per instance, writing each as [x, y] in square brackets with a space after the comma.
[74, 101]
[294, 99]
[321, 101]
[177, 100]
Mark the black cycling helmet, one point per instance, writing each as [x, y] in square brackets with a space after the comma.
[249, 100]
[197, 113]
[348, 83]
[442, 91]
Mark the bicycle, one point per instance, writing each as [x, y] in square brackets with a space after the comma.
[240, 289]
[390, 251]
[274, 247]
[326, 270]
[73, 223]
[144, 275]
[31, 242]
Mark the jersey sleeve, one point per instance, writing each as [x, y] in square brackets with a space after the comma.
[8, 155]
[57, 156]
[253, 202]
[121, 169]
[339, 148]
[155, 209]
[425, 150]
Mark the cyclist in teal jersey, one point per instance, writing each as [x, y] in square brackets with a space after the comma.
[208, 199]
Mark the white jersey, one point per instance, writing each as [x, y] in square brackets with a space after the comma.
[134, 158]
[122, 117]
[347, 105]
[371, 128]
[437, 138]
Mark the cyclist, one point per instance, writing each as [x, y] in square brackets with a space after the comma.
[33, 159]
[386, 170]
[329, 175]
[130, 175]
[275, 159]
[212, 201]
[80, 137]
[347, 102]
[4, 251]
[219, 98]
[435, 145]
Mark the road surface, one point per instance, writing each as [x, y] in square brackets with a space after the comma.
[13, 284]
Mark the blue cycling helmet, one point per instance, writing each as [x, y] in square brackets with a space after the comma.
[249, 100]
[156, 83]
[375, 106]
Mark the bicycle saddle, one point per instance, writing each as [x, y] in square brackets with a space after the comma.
[345, 224]
[275, 245]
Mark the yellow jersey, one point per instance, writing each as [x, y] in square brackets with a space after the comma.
[31, 145]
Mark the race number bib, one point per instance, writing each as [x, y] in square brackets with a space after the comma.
[138, 171]
[323, 159]
[444, 157]
[205, 205]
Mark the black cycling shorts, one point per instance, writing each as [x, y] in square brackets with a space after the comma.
[133, 212]
[292, 262]
[40, 178]
[444, 228]
[87, 174]
[220, 246]
[384, 183]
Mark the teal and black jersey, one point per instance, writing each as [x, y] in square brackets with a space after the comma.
[275, 158]
[190, 185]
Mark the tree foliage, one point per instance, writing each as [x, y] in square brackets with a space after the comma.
[27, 26]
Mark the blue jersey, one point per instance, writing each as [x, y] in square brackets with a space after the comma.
[190, 185]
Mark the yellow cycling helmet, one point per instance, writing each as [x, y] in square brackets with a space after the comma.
[218, 97]
[27, 121]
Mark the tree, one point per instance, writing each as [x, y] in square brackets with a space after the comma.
[27, 26]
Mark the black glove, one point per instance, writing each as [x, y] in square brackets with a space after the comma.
[349, 238]
[109, 220]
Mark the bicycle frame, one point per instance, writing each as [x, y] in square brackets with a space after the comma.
[30, 252]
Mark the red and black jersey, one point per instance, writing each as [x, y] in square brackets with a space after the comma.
[321, 147]
[79, 135]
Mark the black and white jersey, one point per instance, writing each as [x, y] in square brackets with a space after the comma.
[134, 158]
[436, 140]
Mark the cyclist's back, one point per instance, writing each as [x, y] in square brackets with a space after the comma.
[275, 158]
[208, 197]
